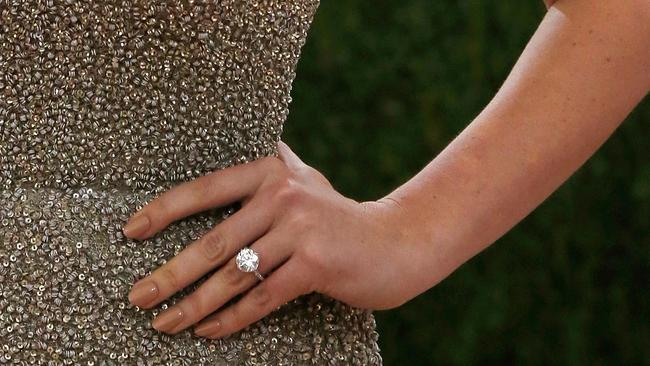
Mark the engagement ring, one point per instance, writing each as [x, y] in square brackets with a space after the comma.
[248, 261]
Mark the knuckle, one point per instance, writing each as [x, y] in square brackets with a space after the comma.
[289, 192]
[312, 258]
[193, 304]
[170, 277]
[260, 296]
[233, 276]
[302, 221]
[298, 219]
[212, 244]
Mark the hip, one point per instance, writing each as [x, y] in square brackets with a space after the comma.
[66, 270]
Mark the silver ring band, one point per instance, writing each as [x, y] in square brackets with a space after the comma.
[259, 275]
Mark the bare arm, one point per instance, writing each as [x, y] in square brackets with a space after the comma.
[586, 67]
[549, 3]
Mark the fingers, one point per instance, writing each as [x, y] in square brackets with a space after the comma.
[210, 251]
[223, 285]
[289, 157]
[218, 188]
[281, 286]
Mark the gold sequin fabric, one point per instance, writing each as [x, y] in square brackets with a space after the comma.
[103, 106]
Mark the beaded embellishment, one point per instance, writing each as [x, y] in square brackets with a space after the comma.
[103, 106]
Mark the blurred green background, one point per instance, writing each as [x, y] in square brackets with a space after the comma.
[382, 87]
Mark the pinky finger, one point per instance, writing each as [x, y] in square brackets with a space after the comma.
[283, 285]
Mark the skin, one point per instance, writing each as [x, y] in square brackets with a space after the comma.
[583, 71]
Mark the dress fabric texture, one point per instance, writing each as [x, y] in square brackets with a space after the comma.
[103, 106]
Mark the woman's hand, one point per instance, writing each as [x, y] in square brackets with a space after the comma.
[308, 236]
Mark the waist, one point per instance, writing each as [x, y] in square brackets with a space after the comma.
[158, 171]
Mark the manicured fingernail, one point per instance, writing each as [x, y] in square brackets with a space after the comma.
[208, 328]
[143, 293]
[136, 226]
[168, 319]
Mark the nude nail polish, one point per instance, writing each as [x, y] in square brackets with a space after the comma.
[168, 319]
[136, 226]
[143, 292]
[209, 328]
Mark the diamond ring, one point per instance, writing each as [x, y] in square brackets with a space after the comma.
[248, 261]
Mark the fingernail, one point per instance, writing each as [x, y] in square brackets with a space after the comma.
[136, 226]
[143, 293]
[168, 319]
[208, 328]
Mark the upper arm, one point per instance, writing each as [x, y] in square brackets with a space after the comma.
[600, 47]
[643, 6]
[583, 71]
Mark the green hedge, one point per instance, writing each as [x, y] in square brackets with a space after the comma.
[382, 87]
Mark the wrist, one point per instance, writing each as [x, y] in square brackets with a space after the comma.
[426, 252]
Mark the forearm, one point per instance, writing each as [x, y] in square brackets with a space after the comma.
[583, 71]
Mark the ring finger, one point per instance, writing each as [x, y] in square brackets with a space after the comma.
[224, 284]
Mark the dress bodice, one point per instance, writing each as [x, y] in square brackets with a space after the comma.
[141, 93]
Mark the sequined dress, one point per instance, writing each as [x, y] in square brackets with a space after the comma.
[103, 106]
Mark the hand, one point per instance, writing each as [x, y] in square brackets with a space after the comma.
[309, 238]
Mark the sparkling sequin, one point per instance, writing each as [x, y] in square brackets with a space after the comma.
[103, 106]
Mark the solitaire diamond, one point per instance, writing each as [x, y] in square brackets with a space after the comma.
[247, 260]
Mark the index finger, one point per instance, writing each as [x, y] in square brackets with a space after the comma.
[218, 188]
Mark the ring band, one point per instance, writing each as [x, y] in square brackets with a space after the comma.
[259, 275]
[248, 261]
